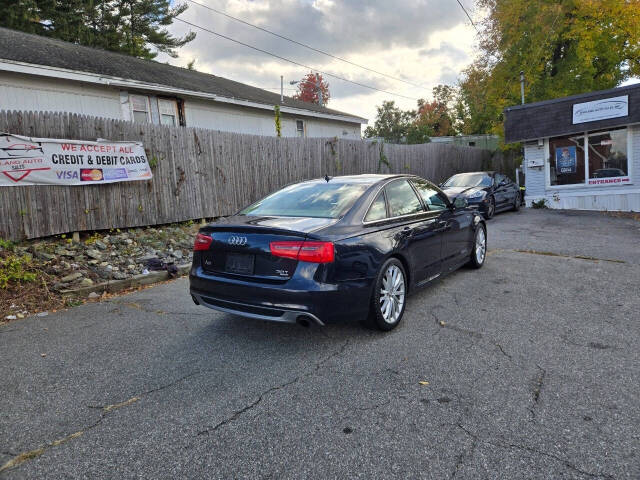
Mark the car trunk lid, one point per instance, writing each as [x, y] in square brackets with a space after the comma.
[240, 246]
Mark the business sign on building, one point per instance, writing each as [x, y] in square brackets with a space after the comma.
[44, 161]
[601, 109]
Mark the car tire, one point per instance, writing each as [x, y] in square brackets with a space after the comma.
[387, 304]
[491, 209]
[479, 248]
[516, 203]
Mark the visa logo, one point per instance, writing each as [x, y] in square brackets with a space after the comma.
[67, 175]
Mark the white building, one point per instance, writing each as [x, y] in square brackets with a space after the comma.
[42, 74]
[581, 152]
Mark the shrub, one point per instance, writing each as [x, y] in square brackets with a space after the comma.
[14, 268]
[6, 245]
[542, 203]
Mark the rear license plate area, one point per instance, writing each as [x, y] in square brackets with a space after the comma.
[239, 263]
[208, 262]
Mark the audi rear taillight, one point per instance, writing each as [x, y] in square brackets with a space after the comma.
[202, 242]
[305, 251]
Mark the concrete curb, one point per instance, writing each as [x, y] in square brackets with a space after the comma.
[114, 286]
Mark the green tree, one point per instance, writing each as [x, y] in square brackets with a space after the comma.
[143, 29]
[474, 115]
[438, 115]
[391, 123]
[564, 47]
[395, 125]
[133, 27]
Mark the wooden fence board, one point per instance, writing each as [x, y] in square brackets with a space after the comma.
[202, 173]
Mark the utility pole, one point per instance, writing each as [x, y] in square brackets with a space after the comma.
[281, 88]
[319, 89]
[522, 86]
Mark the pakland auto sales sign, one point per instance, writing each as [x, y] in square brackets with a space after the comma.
[44, 161]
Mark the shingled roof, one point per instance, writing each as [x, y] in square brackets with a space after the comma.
[37, 50]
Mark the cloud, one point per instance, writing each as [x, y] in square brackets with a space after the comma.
[425, 42]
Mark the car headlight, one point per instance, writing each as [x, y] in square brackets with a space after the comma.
[477, 194]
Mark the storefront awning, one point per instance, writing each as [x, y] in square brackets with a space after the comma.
[575, 114]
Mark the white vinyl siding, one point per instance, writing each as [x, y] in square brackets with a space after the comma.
[534, 176]
[26, 92]
[230, 118]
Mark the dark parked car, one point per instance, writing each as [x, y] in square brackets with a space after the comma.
[489, 192]
[608, 172]
[344, 247]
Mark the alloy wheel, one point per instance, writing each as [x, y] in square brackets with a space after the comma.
[491, 209]
[481, 246]
[392, 293]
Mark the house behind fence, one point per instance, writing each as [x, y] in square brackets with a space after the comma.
[46, 74]
[201, 173]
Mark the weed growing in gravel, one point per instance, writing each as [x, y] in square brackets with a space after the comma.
[15, 269]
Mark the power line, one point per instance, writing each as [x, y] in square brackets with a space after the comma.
[306, 46]
[328, 74]
[465, 11]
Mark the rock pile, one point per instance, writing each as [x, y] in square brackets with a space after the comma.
[115, 255]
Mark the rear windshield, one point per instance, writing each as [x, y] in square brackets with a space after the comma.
[469, 180]
[321, 200]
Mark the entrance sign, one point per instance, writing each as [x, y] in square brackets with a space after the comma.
[601, 109]
[45, 161]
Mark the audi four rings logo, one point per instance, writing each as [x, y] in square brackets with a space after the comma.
[237, 241]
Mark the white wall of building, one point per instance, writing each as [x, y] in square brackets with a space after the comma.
[231, 118]
[609, 198]
[27, 92]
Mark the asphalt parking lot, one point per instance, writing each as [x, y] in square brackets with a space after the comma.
[527, 368]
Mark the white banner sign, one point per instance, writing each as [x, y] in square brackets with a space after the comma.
[601, 109]
[44, 161]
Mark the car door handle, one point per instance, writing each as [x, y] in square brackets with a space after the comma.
[444, 225]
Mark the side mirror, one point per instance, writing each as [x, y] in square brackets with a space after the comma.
[460, 203]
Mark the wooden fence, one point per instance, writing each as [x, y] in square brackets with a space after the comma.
[201, 173]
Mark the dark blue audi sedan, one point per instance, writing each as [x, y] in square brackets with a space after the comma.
[349, 247]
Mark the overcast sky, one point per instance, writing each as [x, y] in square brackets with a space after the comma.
[426, 42]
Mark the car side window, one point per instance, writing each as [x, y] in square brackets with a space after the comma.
[402, 199]
[377, 210]
[499, 179]
[430, 196]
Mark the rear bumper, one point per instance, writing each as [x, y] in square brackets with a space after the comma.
[300, 296]
[253, 311]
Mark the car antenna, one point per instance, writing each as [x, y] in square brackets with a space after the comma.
[327, 178]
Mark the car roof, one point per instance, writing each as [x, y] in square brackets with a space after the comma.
[487, 172]
[365, 178]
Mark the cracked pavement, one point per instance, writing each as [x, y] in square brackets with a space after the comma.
[532, 364]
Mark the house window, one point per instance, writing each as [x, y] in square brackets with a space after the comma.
[168, 109]
[472, 144]
[300, 128]
[140, 108]
[608, 154]
[603, 162]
